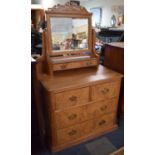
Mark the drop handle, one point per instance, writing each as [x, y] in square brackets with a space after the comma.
[73, 98]
[72, 116]
[105, 91]
[102, 122]
[73, 132]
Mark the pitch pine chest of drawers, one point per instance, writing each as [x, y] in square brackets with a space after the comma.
[80, 105]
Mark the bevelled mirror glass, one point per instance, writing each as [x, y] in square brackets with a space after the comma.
[69, 34]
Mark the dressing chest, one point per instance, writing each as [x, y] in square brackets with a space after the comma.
[80, 96]
[79, 105]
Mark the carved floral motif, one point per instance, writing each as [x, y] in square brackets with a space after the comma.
[68, 8]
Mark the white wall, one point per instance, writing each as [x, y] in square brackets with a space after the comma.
[36, 1]
[51, 3]
[106, 6]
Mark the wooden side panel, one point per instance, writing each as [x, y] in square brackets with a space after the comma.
[114, 58]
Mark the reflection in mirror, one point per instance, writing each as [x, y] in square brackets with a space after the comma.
[69, 34]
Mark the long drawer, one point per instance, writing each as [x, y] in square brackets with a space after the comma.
[75, 115]
[71, 65]
[83, 129]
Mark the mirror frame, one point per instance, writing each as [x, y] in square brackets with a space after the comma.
[69, 10]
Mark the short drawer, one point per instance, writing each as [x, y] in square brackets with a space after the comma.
[89, 63]
[65, 66]
[71, 98]
[76, 64]
[105, 91]
[68, 134]
[69, 117]
[101, 108]
[74, 132]
[105, 120]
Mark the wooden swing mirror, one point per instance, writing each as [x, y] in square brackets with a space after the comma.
[69, 40]
[69, 35]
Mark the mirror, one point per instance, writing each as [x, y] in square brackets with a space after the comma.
[69, 34]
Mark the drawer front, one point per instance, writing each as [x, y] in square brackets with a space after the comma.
[66, 66]
[87, 128]
[104, 121]
[75, 132]
[71, 98]
[105, 91]
[100, 108]
[72, 65]
[68, 134]
[69, 117]
[89, 63]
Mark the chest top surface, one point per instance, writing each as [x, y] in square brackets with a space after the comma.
[78, 77]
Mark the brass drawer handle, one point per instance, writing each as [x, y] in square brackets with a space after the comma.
[102, 122]
[103, 108]
[72, 116]
[88, 63]
[73, 98]
[63, 66]
[73, 132]
[105, 91]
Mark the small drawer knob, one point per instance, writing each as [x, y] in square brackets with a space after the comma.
[88, 63]
[63, 66]
[73, 98]
[73, 132]
[103, 108]
[102, 122]
[72, 116]
[105, 91]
